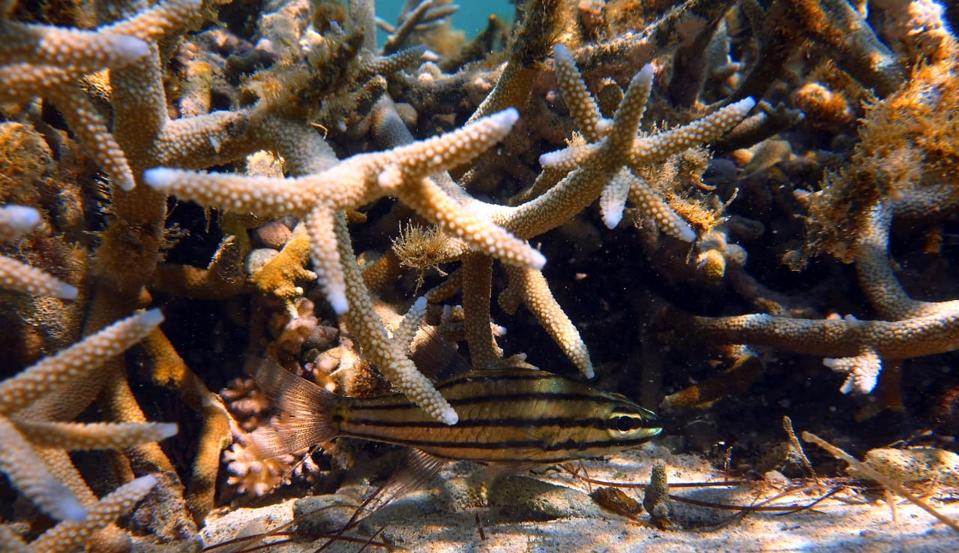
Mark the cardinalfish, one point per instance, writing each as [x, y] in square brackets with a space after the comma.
[519, 416]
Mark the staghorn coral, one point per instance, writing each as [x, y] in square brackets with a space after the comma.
[32, 440]
[305, 125]
[15, 221]
[355, 182]
[904, 164]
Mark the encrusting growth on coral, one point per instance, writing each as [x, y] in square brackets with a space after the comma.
[279, 276]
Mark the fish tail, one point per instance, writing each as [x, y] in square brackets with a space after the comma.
[305, 416]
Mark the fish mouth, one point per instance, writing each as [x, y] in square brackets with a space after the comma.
[655, 423]
[650, 433]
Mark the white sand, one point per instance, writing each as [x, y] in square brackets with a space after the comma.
[437, 520]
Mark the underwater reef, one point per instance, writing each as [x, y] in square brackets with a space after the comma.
[741, 214]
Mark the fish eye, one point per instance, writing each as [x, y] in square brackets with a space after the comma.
[624, 422]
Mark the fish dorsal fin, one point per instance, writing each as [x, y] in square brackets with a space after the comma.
[305, 413]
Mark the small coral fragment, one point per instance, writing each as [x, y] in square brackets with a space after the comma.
[656, 498]
[278, 276]
[917, 465]
[863, 370]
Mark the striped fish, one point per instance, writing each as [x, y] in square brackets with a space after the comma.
[505, 416]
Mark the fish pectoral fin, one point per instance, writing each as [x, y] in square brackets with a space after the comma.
[494, 471]
[420, 469]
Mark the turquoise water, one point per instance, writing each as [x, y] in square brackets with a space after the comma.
[470, 18]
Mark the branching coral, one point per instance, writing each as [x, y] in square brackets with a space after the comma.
[15, 221]
[355, 182]
[597, 166]
[904, 165]
[30, 399]
[832, 26]
[304, 125]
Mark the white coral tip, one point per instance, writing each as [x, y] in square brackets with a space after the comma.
[337, 298]
[160, 178]
[743, 106]
[131, 48]
[646, 73]
[20, 218]
[537, 260]
[152, 317]
[684, 232]
[126, 184]
[587, 371]
[562, 52]
[167, 429]
[67, 292]
[612, 217]
[141, 486]
[553, 158]
[505, 119]
[69, 508]
[449, 416]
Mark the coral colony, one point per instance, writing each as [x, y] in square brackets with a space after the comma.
[691, 200]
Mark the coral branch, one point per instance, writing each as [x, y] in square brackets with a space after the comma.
[17, 392]
[903, 339]
[383, 352]
[69, 534]
[532, 288]
[30, 475]
[357, 181]
[77, 436]
[23, 278]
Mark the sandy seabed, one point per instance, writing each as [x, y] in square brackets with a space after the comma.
[549, 510]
